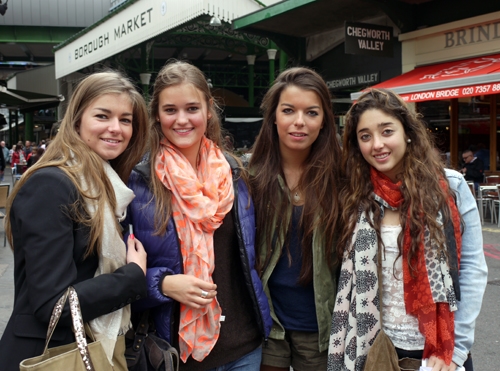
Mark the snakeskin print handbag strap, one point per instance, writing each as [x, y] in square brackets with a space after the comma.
[78, 325]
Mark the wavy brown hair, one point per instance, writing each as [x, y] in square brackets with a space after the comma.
[73, 156]
[172, 74]
[421, 173]
[318, 182]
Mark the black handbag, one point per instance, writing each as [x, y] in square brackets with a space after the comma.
[145, 351]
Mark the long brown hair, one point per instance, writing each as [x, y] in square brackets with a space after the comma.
[172, 74]
[318, 182]
[72, 155]
[421, 172]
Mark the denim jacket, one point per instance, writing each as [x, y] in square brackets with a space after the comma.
[473, 269]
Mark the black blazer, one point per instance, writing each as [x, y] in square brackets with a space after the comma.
[49, 250]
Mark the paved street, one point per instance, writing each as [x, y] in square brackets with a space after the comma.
[6, 271]
[486, 350]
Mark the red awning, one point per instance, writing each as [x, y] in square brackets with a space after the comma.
[457, 79]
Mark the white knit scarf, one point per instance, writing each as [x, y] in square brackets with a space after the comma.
[112, 256]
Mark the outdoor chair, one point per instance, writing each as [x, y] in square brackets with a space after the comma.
[17, 171]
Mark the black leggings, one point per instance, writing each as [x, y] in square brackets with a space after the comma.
[402, 353]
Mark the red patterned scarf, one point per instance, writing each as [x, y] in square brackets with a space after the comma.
[436, 321]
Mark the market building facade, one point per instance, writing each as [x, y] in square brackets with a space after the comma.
[452, 74]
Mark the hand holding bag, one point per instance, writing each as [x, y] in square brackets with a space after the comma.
[145, 351]
[78, 356]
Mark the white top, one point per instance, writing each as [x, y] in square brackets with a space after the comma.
[401, 328]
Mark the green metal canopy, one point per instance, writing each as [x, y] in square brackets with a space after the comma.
[24, 100]
[282, 16]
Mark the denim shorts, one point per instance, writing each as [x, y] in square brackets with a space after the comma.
[299, 350]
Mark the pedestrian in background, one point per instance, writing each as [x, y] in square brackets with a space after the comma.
[6, 152]
[11, 151]
[5, 161]
[295, 176]
[473, 168]
[77, 191]
[27, 149]
[35, 155]
[18, 154]
[196, 220]
[424, 243]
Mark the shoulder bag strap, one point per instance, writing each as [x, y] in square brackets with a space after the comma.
[78, 325]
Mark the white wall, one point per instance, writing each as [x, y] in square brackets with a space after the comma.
[58, 13]
[432, 45]
[40, 80]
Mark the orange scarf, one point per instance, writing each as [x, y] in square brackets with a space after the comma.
[200, 200]
[435, 320]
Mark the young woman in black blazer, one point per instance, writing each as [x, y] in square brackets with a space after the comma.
[77, 190]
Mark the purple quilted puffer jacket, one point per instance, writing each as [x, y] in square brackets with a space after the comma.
[164, 255]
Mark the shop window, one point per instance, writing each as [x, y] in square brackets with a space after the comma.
[437, 116]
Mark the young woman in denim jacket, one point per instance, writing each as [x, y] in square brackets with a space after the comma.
[402, 208]
[295, 177]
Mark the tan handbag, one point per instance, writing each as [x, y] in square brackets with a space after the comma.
[78, 356]
[382, 355]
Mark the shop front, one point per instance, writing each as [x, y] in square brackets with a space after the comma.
[453, 78]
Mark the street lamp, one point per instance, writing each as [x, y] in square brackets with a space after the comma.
[145, 78]
[215, 22]
[3, 7]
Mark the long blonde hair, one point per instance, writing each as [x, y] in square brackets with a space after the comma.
[73, 156]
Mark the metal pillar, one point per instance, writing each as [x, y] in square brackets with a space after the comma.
[283, 60]
[251, 63]
[145, 68]
[271, 54]
[11, 120]
[16, 127]
[28, 126]
[454, 133]
[493, 133]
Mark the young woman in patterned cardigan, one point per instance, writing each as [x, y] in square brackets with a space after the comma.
[401, 203]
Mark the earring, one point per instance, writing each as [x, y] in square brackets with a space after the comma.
[408, 140]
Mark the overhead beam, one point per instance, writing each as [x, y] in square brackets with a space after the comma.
[35, 34]
[403, 15]
[269, 12]
[48, 60]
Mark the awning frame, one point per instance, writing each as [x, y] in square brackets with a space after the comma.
[481, 80]
[437, 85]
[59, 98]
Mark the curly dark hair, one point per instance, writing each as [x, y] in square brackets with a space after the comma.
[421, 173]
